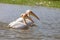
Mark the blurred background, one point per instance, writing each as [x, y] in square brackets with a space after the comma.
[48, 3]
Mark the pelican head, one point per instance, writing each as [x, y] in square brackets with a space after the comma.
[30, 12]
[27, 14]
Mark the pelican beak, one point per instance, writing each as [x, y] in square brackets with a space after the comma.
[33, 14]
[29, 12]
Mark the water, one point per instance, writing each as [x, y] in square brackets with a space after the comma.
[47, 29]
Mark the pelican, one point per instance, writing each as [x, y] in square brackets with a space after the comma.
[24, 21]
[19, 24]
[27, 14]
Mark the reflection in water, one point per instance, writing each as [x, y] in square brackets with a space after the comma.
[15, 34]
[48, 28]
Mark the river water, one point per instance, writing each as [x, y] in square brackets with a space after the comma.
[48, 28]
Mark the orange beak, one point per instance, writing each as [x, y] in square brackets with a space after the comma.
[29, 12]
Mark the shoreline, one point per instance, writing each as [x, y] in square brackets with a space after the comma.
[28, 5]
[45, 3]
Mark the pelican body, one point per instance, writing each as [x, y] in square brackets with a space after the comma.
[19, 24]
[24, 21]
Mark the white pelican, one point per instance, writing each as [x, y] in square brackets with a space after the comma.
[21, 22]
[27, 14]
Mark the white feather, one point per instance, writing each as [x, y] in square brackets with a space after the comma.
[19, 23]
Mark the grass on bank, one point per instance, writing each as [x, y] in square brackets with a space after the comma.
[48, 3]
